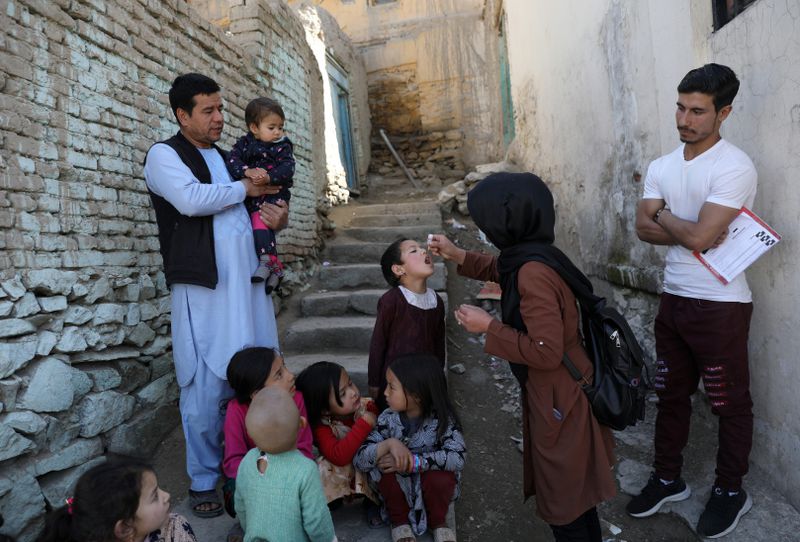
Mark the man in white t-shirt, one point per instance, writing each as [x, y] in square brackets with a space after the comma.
[691, 195]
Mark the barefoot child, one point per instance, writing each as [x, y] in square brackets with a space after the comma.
[264, 154]
[278, 492]
[410, 315]
[416, 451]
[249, 371]
[117, 501]
[340, 420]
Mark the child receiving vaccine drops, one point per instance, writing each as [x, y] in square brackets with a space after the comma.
[410, 314]
[415, 453]
[278, 490]
[264, 154]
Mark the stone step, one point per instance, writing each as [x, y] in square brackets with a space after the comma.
[409, 208]
[326, 303]
[434, 222]
[344, 252]
[319, 333]
[334, 277]
[389, 235]
[355, 363]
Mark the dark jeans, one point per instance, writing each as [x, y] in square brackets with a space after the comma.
[584, 529]
[697, 338]
[437, 492]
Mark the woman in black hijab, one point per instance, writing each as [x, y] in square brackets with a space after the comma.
[568, 455]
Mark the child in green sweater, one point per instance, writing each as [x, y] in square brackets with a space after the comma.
[279, 495]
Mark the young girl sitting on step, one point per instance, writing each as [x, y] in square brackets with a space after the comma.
[249, 371]
[410, 315]
[340, 420]
[415, 453]
[117, 501]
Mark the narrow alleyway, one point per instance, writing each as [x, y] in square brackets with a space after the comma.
[332, 320]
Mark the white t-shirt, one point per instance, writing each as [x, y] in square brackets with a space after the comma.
[723, 175]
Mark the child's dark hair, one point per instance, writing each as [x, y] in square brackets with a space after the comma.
[186, 87]
[248, 370]
[259, 108]
[315, 382]
[104, 494]
[392, 256]
[421, 375]
[716, 80]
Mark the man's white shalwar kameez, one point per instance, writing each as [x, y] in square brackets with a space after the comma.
[209, 326]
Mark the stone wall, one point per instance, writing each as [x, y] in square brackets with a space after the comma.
[436, 154]
[85, 362]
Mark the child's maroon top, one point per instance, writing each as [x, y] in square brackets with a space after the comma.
[402, 328]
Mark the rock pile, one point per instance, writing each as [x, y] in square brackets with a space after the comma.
[454, 196]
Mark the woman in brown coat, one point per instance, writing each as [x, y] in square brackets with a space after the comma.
[568, 456]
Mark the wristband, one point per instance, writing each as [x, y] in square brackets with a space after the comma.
[658, 213]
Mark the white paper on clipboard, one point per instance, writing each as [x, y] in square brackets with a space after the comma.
[748, 238]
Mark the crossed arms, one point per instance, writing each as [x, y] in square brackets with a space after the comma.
[709, 231]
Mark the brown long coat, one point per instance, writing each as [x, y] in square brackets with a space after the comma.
[567, 463]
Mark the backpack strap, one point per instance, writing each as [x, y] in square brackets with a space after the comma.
[576, 374]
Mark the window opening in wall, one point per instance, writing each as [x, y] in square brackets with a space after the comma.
[726, 10]
[381, 2]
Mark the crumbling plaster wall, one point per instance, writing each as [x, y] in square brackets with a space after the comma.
[594, 91]
[432, 68]
[85, 361]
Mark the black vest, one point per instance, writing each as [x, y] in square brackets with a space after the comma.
[187, 242]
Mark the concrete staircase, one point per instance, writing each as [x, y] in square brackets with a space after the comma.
[337, 314]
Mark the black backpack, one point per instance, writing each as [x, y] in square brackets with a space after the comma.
[617, 394]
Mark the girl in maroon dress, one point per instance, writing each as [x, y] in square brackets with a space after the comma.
[410, 315]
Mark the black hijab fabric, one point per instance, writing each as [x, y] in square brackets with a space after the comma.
[515, 211]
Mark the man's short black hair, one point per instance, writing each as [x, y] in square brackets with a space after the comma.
[185, 87]
[716, 80]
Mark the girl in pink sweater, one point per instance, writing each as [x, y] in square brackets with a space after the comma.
[249, 371]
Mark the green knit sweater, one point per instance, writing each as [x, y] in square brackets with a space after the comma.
[284, 503]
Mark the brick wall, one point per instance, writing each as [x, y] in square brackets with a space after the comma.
[85, 362]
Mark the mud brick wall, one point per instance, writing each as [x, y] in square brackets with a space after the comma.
[85, 361]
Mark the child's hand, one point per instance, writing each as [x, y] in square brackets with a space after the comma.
[473, 319]
[439, 245]
[257, 175]
[369, 417]
[403, 461]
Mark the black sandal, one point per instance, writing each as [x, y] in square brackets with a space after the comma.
[199, 498]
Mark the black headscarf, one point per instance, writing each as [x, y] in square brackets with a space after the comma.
[515, 211]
